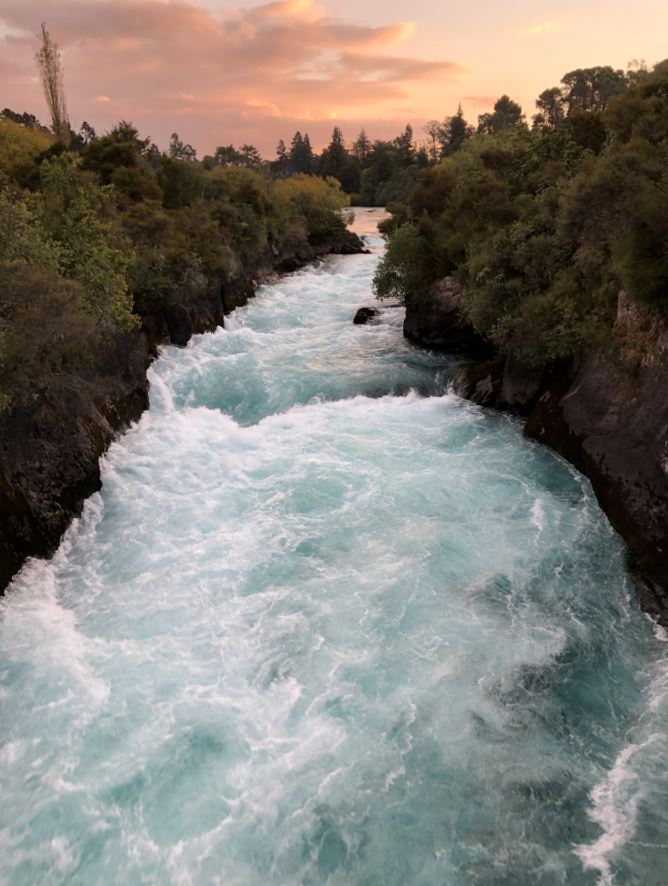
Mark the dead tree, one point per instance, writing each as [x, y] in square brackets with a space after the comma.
[51, 73]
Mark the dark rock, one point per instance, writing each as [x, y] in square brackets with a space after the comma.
[236, 292]
[347, 243]
[502, 383]
[363, 316]
[614, 428]
[438, 322]
[521, 386]
[50, 450]
[179, 325]
[481, 382]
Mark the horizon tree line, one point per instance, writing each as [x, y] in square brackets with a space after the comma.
[372, 171]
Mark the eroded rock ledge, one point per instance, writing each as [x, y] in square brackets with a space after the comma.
[606, 413]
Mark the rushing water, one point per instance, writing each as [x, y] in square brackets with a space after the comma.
[328, 623]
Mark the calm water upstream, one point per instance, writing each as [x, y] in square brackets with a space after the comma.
[328, 623]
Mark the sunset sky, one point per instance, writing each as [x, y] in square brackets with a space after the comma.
[244, 71]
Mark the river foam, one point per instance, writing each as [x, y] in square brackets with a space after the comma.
[327, 622]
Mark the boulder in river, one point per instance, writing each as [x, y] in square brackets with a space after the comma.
[364, 314]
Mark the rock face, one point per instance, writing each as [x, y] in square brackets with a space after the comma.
[611, 422]
[437, 321]
[363, 316]
[502, 383]
[608, 415]
[50, 451]
[50, 448]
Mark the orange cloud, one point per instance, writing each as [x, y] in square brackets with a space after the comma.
[163, 61]
[479, 101]
[537, 30]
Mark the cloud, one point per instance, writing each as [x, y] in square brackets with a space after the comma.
[538, 29]
[167, 61]
[479, 101]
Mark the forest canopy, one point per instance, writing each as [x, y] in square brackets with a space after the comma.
[544, 226]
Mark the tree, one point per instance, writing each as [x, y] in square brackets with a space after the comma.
[180, 151]
[301, 154]
[118, 150]
[433, 129]
[404, 146]
[48, 335]
[454, 132]
[507, 114]
[86, 132]
[361, 149]
[591, 89]
[282, 154]
[227, 155]
[337, 162]
[90, 250]
[404, 270]
[309, 156]
[550, 104]
[335, 156]
[250, 157]
[51, 73]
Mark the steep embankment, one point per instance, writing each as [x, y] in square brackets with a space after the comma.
[606, 413]
[50, 448]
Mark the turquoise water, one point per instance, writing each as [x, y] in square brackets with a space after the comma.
[328, 623]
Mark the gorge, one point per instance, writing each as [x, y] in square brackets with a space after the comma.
[326, 621]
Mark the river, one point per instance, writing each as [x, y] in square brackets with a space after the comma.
[326, 622]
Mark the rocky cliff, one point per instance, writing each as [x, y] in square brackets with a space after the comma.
[50, 447]
[606, 413]
[50, 450]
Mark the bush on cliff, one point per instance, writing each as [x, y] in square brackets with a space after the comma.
[47, 334]
[19, 145]
[544, 228]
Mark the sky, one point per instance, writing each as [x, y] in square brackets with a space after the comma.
[252, 72]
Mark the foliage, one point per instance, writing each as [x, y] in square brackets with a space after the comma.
[20, 145]
[405, 267]
[317, 201]
[544, 228]
[90, 250]
[46, 333]
[23, 238]
[506, 115]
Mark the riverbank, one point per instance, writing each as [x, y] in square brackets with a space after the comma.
[51, 446]
[605, 413]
